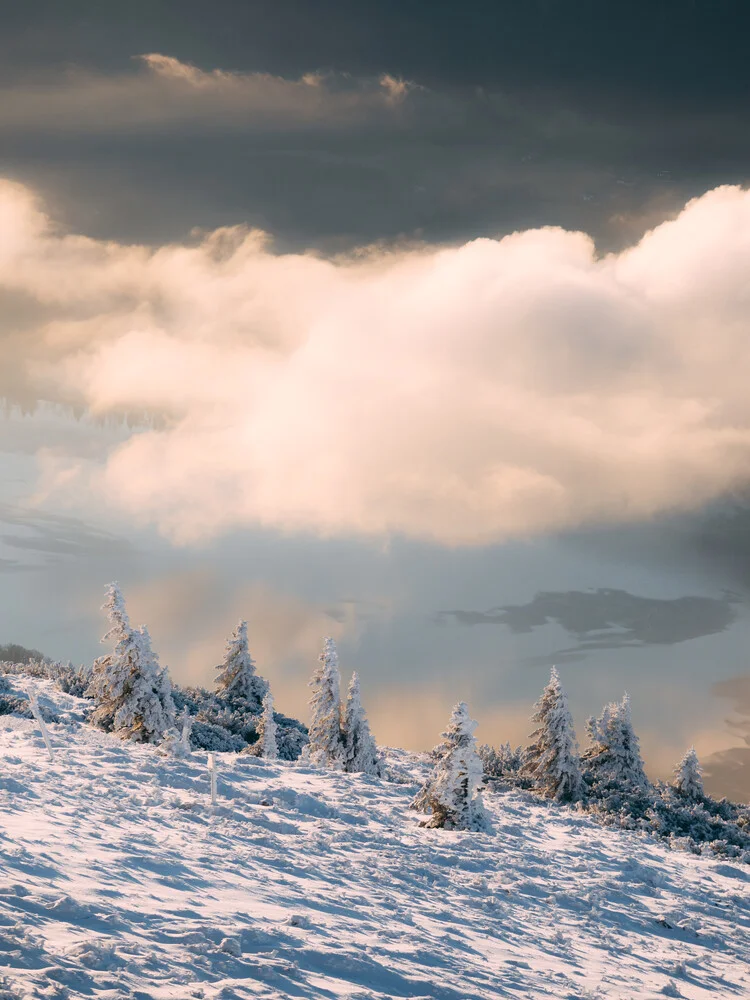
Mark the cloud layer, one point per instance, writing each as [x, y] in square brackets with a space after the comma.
[163, 91]
[458, 394]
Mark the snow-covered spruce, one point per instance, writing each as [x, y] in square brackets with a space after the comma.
[688, 777]
[133, 694]
[236, 679]
[613, 768]
[551, 760]
[326, 746]
[360, 750]
[267, 746]
[452, 794]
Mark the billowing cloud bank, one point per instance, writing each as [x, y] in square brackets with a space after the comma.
[456, 394]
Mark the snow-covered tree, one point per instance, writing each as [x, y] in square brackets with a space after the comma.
[360, 750]
[236, 679]
[326, 746]
[452, 793]
[688, 776]
[613, 766]
[133, 694]
[551, 760]
[267, 744]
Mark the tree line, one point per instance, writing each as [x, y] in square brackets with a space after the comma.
[134, 698]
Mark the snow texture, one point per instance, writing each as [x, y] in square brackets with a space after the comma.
[119, 880]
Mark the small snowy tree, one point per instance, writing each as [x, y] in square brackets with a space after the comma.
[452, 793]
[360, 750]
[267, 744]
[325, 747]
[614, 769]
[688, 777]
[133, 693]
[177, 740]
[236, 678]
[551, 760]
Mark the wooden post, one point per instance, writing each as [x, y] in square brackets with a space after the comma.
[212, 774]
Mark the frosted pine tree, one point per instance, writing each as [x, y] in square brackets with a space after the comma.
[614, 769]
[146, 710]
[236, 679]
[133, 694]
[452, 794]
[110, 673]
[325, 747]
[360, 750]
[688, 777]
[267, 744]
[551, 761]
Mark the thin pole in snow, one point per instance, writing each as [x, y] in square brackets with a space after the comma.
[34, 705]
[212, 773]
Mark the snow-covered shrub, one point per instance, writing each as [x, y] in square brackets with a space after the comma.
[551, 760]
[291, 737]
[688, 776]
[237, 682]
[360, 750]
[452, 794]
[504, 763]
[133, 694]
[326, 747]
[11, 703]
[211, 709]
[206, 736]
[73, 680]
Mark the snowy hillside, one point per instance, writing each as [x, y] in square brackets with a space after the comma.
[120, 880]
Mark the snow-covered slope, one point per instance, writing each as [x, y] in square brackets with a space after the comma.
[119, 880]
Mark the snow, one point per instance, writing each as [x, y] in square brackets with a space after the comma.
[118, 879]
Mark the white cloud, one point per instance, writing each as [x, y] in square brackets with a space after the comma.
[461, 394]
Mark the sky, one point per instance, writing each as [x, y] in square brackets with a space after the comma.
[422, 325]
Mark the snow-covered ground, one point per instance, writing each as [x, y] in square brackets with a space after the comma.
[120, 880]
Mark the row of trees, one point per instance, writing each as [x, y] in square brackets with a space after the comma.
[339, 737]
[135, 698]
[608, 779]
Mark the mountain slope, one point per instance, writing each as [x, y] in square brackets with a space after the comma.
[118, 879]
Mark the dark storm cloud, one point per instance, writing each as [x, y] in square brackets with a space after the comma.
[668, 51]
[610, 619]
[578, 115]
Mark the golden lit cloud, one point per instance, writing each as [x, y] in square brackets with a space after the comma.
[462, 394]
